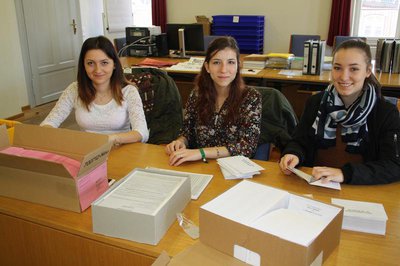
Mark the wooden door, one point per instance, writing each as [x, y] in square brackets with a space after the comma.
[54, 41]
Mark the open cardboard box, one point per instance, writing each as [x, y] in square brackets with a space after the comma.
[50, 183]
[239, 228]
[141, 206]
[262, 225]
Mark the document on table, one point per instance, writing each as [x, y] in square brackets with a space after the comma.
[142, 192]
[198, 182]
[312, 181]
[239, 166]
[288, 72]
[361, 216]
[194, 64]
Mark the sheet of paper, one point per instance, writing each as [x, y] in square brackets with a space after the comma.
[242, 202]
[239, 166]
[310, 179]
[142, 192]
[368, 210]
[293, 225]
[198, 182]
[250, 71]
[291, 72]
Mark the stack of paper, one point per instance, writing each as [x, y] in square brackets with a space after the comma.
[363, 216]
[279, 60]
[194, 64]
[255, 61]
[198, 182]
[236, 167]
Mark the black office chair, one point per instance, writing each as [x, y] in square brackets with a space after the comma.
[339, 39]
[296, 46]
[278, 122]
[162, 103]
[119, 43]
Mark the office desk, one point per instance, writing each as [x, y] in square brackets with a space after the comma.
[32, 234]
[296, 88]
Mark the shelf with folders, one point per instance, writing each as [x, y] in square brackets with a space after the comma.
[247, 30]
[387, 59]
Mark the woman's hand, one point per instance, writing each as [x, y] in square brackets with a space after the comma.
[327, 174]
[288, 161]
[175, 145]
[183, 155]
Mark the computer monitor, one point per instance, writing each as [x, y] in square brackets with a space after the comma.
[185, 37]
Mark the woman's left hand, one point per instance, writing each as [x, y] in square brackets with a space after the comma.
[327, 174]
[184, 155]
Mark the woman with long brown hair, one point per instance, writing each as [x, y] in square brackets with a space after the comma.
[222, 115]
[103, 100]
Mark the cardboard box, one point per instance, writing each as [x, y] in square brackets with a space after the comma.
[262, 225]
[50, 183]
[206, 24]
[141, 206]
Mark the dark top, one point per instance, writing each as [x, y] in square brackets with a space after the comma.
[239, 138]
[380, 148]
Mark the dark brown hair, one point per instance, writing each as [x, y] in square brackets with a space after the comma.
[364, 47]
[205, 86]
[86, 91]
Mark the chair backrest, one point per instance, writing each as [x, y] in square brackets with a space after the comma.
[161, 103]
[278, 119]
[339, 39]
[296, 46]
[208, 39]
[119, 43]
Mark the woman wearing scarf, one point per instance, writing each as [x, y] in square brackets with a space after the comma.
[348, 133]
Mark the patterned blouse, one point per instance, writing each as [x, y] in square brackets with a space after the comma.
[239, 138]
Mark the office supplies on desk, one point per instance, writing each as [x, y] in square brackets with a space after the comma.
[157, 63]
[194, 64]
[361, 216]
[312, 181]
[198, 182]
[314, 54]
[236, 167]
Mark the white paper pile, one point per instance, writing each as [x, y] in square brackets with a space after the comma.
[237, 167]
[363, 216]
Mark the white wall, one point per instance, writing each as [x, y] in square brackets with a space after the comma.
[13, 93]
[282, 17]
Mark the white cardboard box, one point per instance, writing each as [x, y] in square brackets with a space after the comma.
[261, 225]
[141, 206]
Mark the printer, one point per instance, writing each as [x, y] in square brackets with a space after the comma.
[146, 41]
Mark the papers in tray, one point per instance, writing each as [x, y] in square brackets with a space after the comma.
[198, 182]
[312, 181]
[236, 167]
[363, 216]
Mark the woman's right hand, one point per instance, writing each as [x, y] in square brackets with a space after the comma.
[174, 146]
[288, 160]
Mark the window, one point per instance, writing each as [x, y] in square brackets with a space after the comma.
[375, 19]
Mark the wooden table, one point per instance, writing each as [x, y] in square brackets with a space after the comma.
[33, 234]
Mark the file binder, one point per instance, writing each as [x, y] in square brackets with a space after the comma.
[314, 58]
[396, 57]
[306, 58]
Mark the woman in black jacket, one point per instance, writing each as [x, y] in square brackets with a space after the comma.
[348, 133]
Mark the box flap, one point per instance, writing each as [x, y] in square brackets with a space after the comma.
[4, 141]
[94, 158]
[72, 143]
[34, 165]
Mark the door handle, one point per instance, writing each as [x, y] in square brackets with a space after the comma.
[73, 24]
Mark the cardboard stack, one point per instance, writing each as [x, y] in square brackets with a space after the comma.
[50, 183]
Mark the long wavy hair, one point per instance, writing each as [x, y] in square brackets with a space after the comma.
[207, 93]
[364, 47]
[86, 90]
